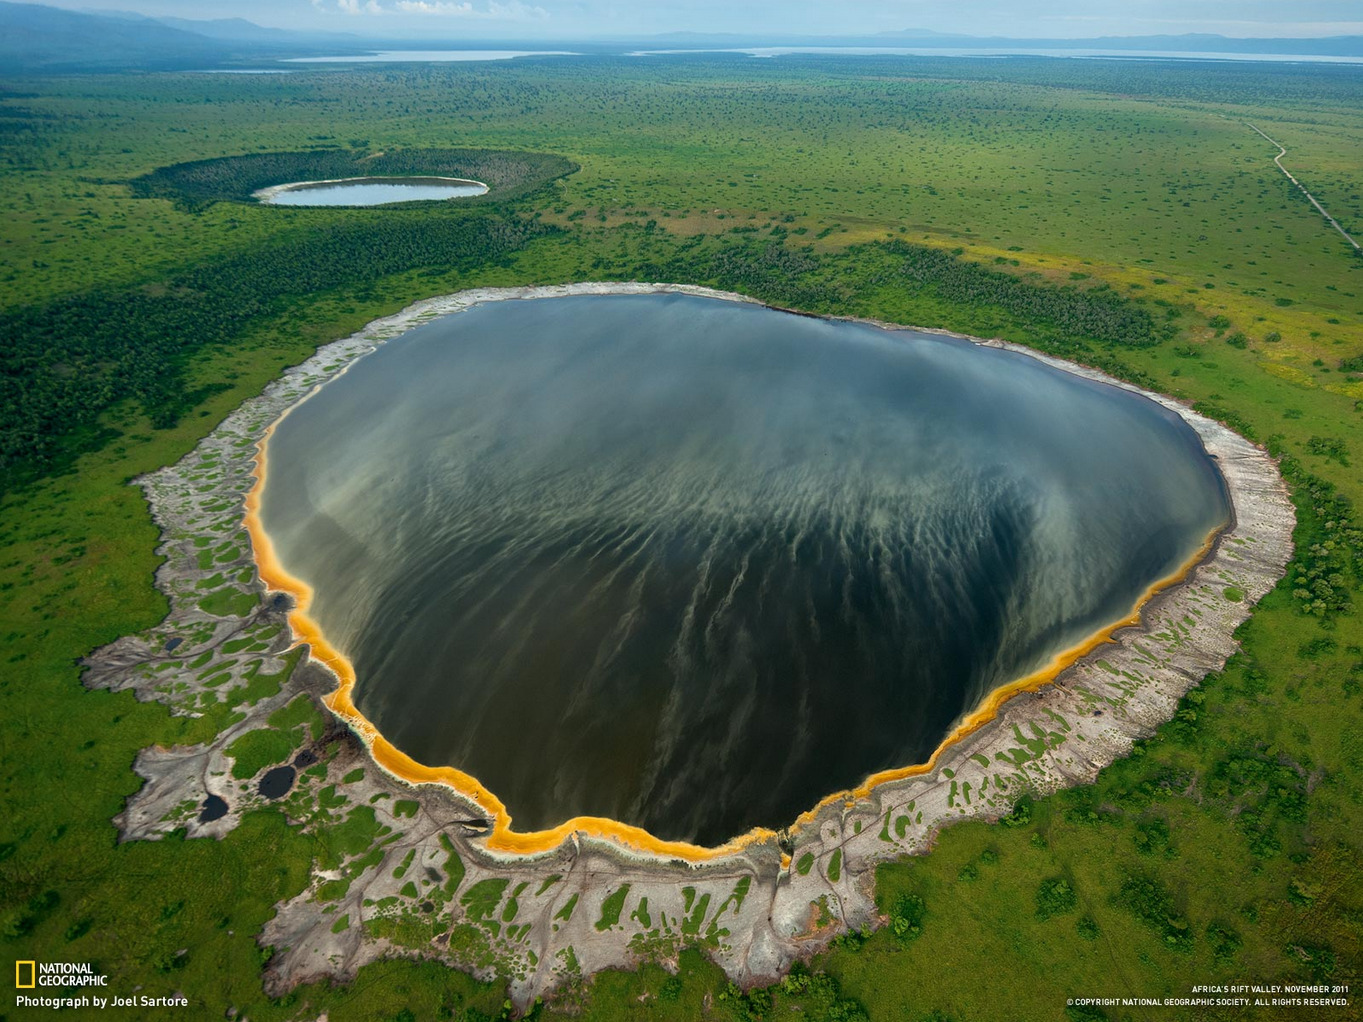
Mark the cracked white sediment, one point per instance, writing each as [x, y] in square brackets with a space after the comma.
[1061, 734]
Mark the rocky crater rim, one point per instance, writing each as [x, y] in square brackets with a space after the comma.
[597, 902]
[502, 840]
[507, 173]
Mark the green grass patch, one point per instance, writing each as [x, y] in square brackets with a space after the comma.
[255, 750]
[611, 908]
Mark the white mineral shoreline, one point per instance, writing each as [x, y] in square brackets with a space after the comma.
[387, 328]
[1036, 741]
[391, 327]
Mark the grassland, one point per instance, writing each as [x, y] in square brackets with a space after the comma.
[1226, 850]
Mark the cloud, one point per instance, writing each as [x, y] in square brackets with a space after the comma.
[423, 7]
[514, 10]
[492, 10]
[355, 6]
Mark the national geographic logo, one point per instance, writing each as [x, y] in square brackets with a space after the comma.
[29, 975]
[61, 986]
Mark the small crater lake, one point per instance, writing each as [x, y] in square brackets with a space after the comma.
[369, 191]
[694, 564]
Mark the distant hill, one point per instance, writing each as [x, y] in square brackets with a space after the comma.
[34, 37]
[37, 38]
[1329, 46]
[241, 30]
[1193, 42]
[235, 29]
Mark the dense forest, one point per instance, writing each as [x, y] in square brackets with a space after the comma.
[1062, 319]
[1282, 84]
[193, 185]
[65, 363]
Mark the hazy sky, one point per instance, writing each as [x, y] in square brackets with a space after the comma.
[1035, 18]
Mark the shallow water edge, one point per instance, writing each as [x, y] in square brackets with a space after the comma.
[764, 893]
[503, 838]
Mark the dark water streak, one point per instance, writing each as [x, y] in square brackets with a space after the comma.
[693, 565]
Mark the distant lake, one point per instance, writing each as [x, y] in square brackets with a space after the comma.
[695, 564]
[369, 191]
[445, 56]
[430, 56]
[941, 51]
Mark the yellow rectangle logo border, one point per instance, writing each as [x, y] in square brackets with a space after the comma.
[32, 975]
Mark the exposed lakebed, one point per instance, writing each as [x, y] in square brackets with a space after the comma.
[369, 191]
[694, 564]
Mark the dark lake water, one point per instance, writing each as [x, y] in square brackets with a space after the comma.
[374, 191]
[693, 564]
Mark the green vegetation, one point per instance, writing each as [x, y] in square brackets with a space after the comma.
[193, 185]
[906, 917]
[611, 908]
[298, 712]
[835, 866]
[68, 363]
[228, 603]
[1054, 897]
[566, 912]
[256, 750]
[454, 866]
[482, 898]
[997, 198]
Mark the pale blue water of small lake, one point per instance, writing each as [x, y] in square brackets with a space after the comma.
[374, 192]
[430, 56]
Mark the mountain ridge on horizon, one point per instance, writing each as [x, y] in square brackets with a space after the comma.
[41, 38]
[1205, 41]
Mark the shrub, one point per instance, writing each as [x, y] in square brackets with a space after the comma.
[906, 918]
[1054, 897]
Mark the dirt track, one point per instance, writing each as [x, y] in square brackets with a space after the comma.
[1282, 151]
